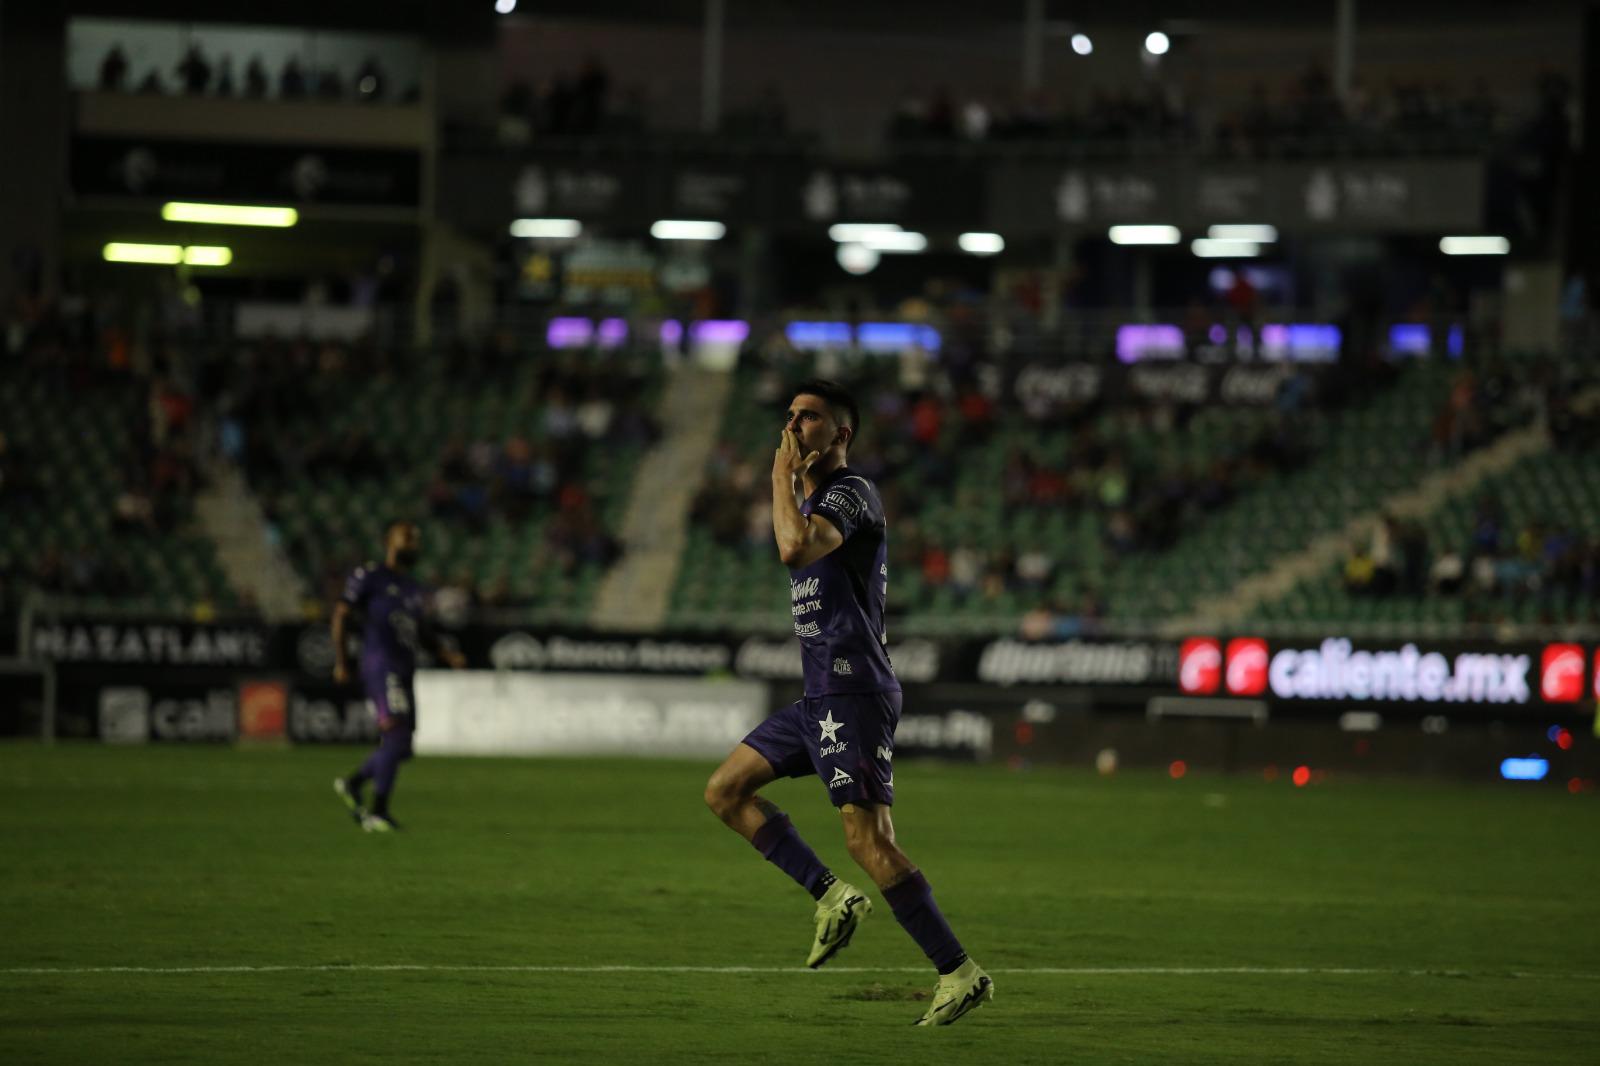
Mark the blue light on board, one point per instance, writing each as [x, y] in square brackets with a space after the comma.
[1531, 768]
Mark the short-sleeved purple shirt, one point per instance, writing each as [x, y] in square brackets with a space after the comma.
[393, 604]
[838, 601]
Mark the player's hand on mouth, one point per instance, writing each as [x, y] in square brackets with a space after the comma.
[788, 461]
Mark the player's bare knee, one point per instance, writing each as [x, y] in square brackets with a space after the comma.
[723, 795]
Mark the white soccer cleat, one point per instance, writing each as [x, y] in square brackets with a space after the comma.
[839, 912]
[379, 823]
[964, 989]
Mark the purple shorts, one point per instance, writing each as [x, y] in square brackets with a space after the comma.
[391, 695]
[847, 741]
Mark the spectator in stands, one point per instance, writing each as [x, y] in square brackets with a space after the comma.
[134, 511]
[114, 70]
[194, 71]
[1359, 570]
[370, 81]
[256, 81]
[225, 80]
[1448, 572]
[292, 81]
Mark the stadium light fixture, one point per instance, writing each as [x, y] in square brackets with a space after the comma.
[1220, 248]
[200, 255]
[899, 241]
[1260, 234]
[856, 259]
[1157, 43]
[1144, 235]
[669, 229]
[856, 232]
[981, 243]
[563, 229]
[230, 214]
[1474, 245]
[159, 254]
[505, 7]
[167, 254]
[1082, 45]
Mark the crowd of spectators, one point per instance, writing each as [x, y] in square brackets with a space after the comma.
[280, 399]
[84, 356]
[1268, 120]
[1500, 566]
[1548, 559]
[927, 419]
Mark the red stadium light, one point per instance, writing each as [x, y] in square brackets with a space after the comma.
[1574, 786]
[1561, 673]
[1178, 769]
[1302, 776]
[1564, 740]
[1200, 666]
[1247, 666]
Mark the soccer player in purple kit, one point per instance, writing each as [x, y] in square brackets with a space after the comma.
[394, 605]
[835, 545]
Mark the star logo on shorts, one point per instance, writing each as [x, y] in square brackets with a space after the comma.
[830, 728]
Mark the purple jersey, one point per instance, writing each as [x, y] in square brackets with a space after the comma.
[837, 601]
[393, 604]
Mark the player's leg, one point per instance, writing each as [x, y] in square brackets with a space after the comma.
[394, 748]
[395, 706]
[351, 787]
[732, 793]
[869, 836]
[777, 748]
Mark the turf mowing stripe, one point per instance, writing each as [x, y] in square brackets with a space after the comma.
[1069, 971]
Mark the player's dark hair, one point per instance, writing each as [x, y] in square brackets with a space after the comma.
[841, 404]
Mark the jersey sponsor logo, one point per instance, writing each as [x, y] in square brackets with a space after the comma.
[830, 728]
[805, 607]
[885, 753]
[841, 667]
[840, 778]
[799, 588]
[847, 502]
[833, 749]
[807, 629]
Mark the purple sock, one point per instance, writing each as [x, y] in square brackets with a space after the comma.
[394, 748]
[913, 906]
[780, 844]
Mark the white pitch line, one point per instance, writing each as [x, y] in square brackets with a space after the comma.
[1068, 971]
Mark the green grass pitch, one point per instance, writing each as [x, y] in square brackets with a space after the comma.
[1385, 921]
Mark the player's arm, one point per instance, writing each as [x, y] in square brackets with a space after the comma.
[351, 600]
[341, 665]
[802, 539]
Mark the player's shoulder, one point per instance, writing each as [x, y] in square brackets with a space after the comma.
[858, 485]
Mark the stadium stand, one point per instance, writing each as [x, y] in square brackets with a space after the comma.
[497, 453]
[97, 484]
[1060, 520]
[1523, 548]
